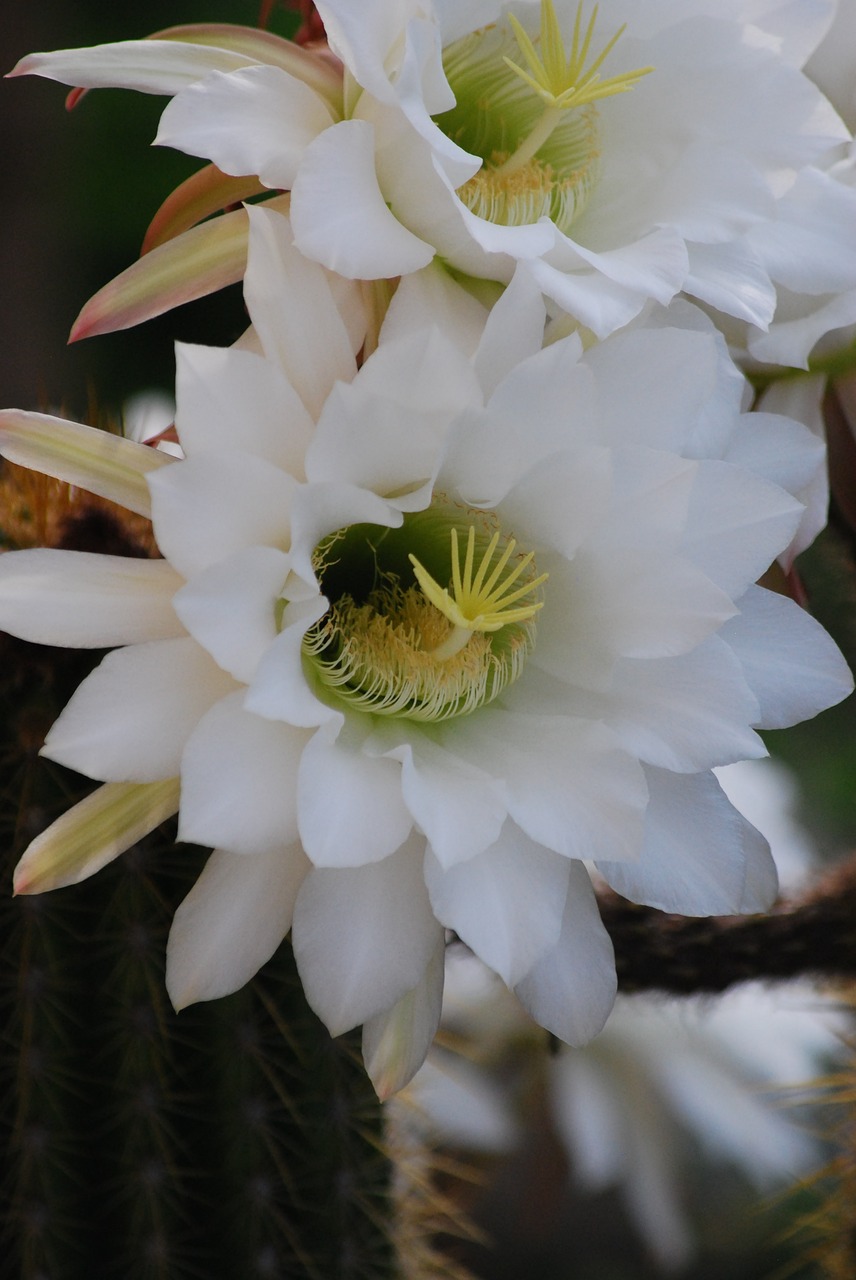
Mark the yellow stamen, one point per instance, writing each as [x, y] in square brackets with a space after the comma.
[484, 602]
[562, 79]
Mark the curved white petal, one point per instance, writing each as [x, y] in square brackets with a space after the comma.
[571, 989]
[457, 805]
[294, 310]
[363, 936]
[325, 507]
[280, 689]
[623, 600]
[129, 720]
[785, 452]
[231, 922]
[514, 330]
[560, 501]
[569, 783]
[698, 853]
[685, 713]
[239, 781]
[737, 524]
[675, 392]
[351, 810]
[420, 380]
[230, 609]
[79, 599]
[255, 120]
[149, 66]
[433, 292]
[793, 667]
[228, 398]
[505, 903]
[211, 506]
[359, 237]
[488, 453]
[396, 1041]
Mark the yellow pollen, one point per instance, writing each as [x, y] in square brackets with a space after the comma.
[482, 601]
[561, 79]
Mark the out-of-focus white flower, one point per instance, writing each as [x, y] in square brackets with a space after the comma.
[715, 1070]
[147, 417]
[620, 157]
[427, 635]
[662, 1080]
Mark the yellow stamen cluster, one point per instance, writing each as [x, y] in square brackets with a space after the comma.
[483, 600]
[392, 652]
[562, 79]
[381, 657]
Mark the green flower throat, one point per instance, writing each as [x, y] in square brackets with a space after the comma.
[535, 126]
[428, 621]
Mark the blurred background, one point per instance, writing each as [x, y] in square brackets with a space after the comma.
[668, 1148]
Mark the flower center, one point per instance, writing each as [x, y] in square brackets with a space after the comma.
[535, 127]
[396, 642]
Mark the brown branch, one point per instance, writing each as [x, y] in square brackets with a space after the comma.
[810, 937]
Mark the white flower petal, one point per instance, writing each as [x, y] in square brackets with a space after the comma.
[684, 713]
[231, 922]
[79, 599]
[149, 66]
[239, 781]
[778, 449]
[731, 278]
[280, 690]
[793, 667]
[698, 852]
[230, 609]
[359, 238]
[351, 809]
[571, 989]
[673, 393]
[255, 120]
[326, 507]
[514, 330]
[217, 504]
[433, 292]
[809, 248]
[396, 1041]
[310, 340]
[459, 808]
[560, 501]
[505, 903]
[228, 397]
[129, 720]
[420, 380]
[363, 937]
[627, 601]
[488, 453]
[737, 524]
[569, 784]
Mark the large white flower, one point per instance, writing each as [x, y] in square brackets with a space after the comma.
[493, 140]
[427, 635]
